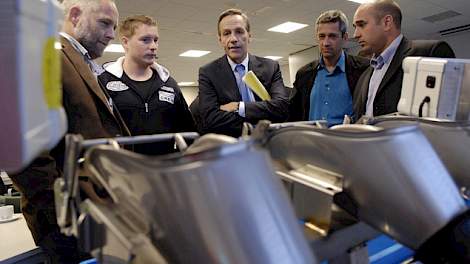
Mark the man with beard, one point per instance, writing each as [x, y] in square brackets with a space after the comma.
[323, 88]
[88, 27]
[148, 98]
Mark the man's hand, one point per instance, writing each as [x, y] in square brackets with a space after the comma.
[230, 107]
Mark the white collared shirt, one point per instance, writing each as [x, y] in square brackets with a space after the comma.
[94, 67]
[241, 106]
[378, 74]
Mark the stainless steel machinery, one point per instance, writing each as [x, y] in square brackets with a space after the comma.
[219, 201]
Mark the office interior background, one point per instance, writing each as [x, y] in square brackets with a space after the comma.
[192, 25]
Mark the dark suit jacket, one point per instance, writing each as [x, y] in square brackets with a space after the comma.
[299, 107]
[194, 108]
[217, 86]
[389, 91]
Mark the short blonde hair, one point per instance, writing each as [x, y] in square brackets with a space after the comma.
[129, 25]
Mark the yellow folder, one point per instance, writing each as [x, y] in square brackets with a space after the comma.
[256, 86]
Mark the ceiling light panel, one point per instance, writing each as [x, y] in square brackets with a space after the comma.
[194, 53]
[360, 1]
[274, 57]
[287, 27]
[114, 48]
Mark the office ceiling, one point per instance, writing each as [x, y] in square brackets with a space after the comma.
[188, 25]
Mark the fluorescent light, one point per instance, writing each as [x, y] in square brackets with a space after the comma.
[360, 1]
[273, 57]
[194, 53]
[110, 48]
[287, 27]
[186, 83]
[114, 48]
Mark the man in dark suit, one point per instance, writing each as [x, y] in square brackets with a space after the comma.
[225, 102]
[88, 27]
[194, 108]
[378, 31]
[323, 88]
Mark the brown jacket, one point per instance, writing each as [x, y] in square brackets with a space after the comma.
[85, 101]
[88, 114]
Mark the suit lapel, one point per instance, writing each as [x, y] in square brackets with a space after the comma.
[257, 67]
[362, 92]
[225, 71]
[396, 63]
[84, 71]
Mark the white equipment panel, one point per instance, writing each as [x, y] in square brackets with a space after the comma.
[31, 113]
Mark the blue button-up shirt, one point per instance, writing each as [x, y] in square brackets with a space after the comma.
[331, 98]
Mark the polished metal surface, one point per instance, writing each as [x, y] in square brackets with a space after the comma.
[311, 191]
[218, 205]
[394, 176]
[451, 141]
[126, 239]
[66, 188]
[142, 139]
[355, 128]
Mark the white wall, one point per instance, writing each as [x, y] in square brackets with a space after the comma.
[189, 93]
[285, 74]
[459, 43]
[299, 59]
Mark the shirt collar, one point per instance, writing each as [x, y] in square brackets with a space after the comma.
[340, 64]
[233, 64]
[76, 45]
[94, 67]
[386, 56]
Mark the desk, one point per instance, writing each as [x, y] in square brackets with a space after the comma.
[15, 239]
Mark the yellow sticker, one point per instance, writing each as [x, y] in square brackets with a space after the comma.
[51, 75]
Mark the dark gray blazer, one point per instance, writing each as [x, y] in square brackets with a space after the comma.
[218, 86]
[389, 92]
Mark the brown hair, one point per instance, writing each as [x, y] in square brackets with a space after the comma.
[233, 12]
[129, 24]
[333, 16]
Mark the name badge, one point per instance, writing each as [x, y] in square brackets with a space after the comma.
[168, 89]
[166, 97]
[116, 86]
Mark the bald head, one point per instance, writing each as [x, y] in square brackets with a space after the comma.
[382, 8]
[91, 22]
[377, 25]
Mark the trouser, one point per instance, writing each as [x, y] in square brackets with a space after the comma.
[35, 183]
